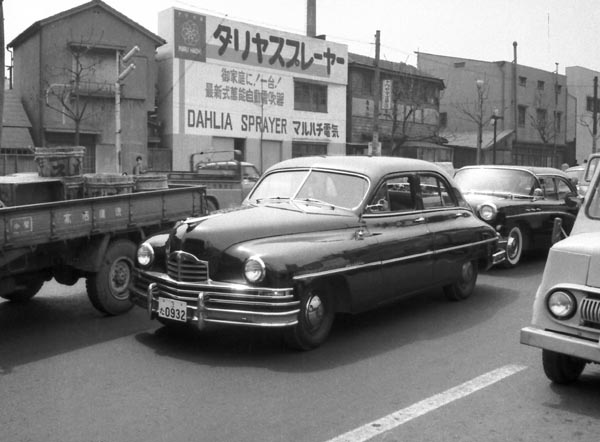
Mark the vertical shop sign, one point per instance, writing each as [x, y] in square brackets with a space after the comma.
[386, 94]
[190, 36]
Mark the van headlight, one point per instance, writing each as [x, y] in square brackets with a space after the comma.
[145, 254]
[561, 304]
[487, 211]
[254, 270]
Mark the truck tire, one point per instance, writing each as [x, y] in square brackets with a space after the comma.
[108, 287]
[32, 287]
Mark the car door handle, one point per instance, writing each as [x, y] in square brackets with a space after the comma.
[461, 215]
[419, 220]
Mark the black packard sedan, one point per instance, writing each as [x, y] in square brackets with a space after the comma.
[316, 236]
[521, 203]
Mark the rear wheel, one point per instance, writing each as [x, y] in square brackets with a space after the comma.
[108, 288]
[463, 288]
[314, 320]
[29, 289]
[561, 368]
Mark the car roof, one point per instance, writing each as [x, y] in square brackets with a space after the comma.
[537, 170]
[365, 165]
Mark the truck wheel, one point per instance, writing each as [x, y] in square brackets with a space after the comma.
[561, 368]
[463, 288]
[32, 287]
[315, 320]
[108, 288]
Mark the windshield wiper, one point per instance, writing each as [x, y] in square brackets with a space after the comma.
[272, 198]
[315, 201]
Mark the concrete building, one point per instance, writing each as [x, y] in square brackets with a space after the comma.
[529, 107]
[235, 89]
[66, 70]
[580, 82]
[408, 116]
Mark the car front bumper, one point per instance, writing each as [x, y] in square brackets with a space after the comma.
[216, 302]
[560, 343]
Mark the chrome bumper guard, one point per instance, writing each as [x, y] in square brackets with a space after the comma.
[559, 343]
[498, 257]
[216, 302]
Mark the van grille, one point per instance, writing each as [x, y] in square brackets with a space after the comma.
[590, 310]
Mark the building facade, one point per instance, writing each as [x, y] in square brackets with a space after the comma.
[233, 89]
[527, 105]
[580, 82]
[408, 110]
[66, 70]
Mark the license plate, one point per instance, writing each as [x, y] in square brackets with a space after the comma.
[172, 309]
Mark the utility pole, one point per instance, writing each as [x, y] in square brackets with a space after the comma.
[595, 116]
[375, 146]
[121, 62]
[555, 123]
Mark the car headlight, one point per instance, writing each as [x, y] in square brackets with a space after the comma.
[561, 304]
[145, 254]
[487, 212]
[254, 270]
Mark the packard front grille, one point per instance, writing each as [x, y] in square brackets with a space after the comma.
[185, 267]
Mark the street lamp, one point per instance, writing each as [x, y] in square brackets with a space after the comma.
[495, 117]
[479, 116]
[121, 74]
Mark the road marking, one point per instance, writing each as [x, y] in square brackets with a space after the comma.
[432, 403]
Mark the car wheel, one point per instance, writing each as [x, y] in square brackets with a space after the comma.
[31, 288]
[463, 288]
[315, 320]
[561, 368]
[515, 241]
[108, 289]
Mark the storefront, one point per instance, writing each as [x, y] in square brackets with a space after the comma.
[234, 87]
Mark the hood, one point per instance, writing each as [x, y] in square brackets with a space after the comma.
[211, 235]
[475, 199]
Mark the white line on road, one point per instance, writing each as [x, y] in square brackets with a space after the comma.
[400, 417]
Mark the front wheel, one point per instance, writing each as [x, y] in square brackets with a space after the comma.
[561, 368]
[108, 288]
[314, 320]
[515, 242]
[463, 288]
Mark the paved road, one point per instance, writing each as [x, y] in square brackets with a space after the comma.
[423, 369]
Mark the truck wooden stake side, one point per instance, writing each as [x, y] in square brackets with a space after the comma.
[94, 238]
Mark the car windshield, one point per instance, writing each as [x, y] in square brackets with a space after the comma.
[495, 181]
[312, 186]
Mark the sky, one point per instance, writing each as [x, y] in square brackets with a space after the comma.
[547, 32]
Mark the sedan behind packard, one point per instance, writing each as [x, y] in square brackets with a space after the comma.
[317, 236]
[521, 203]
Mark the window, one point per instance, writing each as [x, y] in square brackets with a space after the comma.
[540, 85]
[558, 121]
[443, 119]
[300, 149]
[394, 195]
[558, 89]
[563, 188]
[310, 97]
[590, 104]
[521, 116]
[523, 81]
[434, 192]
[460, 64]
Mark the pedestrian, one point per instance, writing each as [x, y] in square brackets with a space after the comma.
[564, 166]
[139, 168]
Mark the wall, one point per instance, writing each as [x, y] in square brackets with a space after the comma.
[215, 81]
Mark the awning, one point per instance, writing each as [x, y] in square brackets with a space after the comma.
[469, 139]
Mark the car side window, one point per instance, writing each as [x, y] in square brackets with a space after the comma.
[563, 188]
[435, 192]
[394, 195]
[549, 188]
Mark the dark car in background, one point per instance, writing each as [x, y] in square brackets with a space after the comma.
[521, 203]
[317, 236]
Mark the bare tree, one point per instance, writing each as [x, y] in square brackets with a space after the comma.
[71, 95]
[588, 122]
